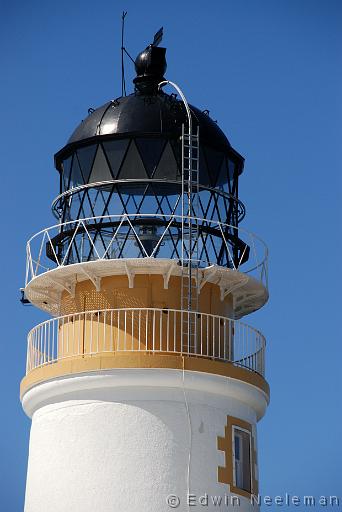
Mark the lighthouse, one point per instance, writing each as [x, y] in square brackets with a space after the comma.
[145, 385]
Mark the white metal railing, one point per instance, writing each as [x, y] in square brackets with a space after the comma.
[145, 330]
[84, 242]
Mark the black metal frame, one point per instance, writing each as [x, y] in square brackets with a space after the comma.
[120, 195]
[207, 233]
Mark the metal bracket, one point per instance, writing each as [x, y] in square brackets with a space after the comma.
[167, 275]
[226, 291]
[130, 275]
[207, 276]
[96, 280]
[68, 286]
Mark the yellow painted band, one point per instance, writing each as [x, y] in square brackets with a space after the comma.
[102, 361]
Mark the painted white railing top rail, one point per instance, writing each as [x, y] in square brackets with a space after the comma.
[145, 330]
[131, 236]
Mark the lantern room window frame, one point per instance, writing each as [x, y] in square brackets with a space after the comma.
[130, 174]
[132, 138]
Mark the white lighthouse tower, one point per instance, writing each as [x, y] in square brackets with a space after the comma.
[145, 387]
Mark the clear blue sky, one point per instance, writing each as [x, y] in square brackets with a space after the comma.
[270, 72]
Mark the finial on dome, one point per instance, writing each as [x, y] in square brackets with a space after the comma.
[150, 66]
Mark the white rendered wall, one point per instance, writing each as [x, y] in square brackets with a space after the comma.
[123, 440]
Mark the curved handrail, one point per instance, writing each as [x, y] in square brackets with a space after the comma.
[75, 190]
[152, 330]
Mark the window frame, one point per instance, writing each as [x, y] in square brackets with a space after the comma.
[251, 461]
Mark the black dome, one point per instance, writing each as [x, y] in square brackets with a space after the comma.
[156, 116]
[150, 113]
[137, 113]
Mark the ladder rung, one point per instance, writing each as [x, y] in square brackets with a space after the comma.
[190, 231]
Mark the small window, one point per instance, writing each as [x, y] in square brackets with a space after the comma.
[242, 459]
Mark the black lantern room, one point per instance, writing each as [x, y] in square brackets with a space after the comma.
[121, 170]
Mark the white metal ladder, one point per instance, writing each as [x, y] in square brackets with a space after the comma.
[190, 234]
